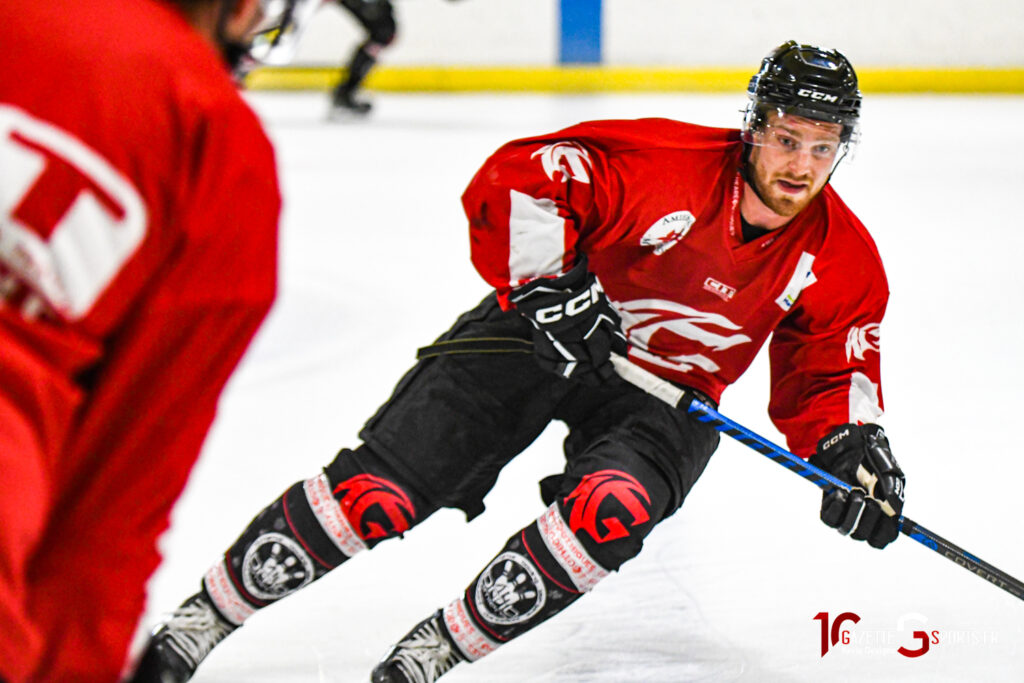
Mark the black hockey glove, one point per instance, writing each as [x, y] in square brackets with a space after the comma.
[860, 455]
[575, 329]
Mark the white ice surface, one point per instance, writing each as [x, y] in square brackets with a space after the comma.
[374, 262]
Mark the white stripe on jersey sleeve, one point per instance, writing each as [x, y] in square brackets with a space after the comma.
[536, 238]
[802, 278]
[864, 404]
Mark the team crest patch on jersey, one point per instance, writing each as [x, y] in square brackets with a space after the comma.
[510, 590]
[567, 158]
[720, 289]
[667, 231]
[860, 340]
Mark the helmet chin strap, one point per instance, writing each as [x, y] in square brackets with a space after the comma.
[846, 149]
[746, 174]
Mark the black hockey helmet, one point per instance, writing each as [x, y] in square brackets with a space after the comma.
[807, 81]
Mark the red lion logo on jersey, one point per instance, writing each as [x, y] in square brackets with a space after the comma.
[592, 491]
[368, 495]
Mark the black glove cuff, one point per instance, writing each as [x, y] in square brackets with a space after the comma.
[575, 279]
[842, 439]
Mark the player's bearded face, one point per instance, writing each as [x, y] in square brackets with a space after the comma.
[791, 160]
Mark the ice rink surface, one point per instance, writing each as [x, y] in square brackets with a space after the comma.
[375, 262]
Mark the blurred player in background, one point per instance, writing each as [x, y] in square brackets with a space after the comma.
[378, 18]
[684, 245]
[138, 238]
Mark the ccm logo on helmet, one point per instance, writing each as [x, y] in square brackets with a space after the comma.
[815, 95]
[570, 308]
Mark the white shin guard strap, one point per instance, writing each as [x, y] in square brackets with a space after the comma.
[563, 545]
[472, 642]
[225, 596]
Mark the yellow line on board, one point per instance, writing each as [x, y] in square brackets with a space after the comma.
[585, 79]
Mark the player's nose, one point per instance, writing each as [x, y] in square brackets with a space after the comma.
[800, 162]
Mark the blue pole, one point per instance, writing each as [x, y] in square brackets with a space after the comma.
[579, 32]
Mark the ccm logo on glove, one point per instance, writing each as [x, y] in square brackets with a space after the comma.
[571, 308]
[575, 329]
[829, 442]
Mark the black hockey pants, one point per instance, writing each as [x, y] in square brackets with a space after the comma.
[452, 423]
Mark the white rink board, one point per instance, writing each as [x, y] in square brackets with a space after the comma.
[872, 33]
[685, 33]
[374, 263]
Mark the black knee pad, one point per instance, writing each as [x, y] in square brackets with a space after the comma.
[610, 504]
[372, 497]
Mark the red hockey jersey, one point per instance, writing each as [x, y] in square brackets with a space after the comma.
[654, 204]
[138, 230]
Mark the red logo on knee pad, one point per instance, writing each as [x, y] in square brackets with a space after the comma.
[593, 489]
[370, 502]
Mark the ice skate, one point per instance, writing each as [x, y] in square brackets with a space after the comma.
[184, 640]
[345, 106]
[425, 654]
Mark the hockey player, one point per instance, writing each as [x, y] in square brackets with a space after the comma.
[693, 245]
[138, 231]
[378, 18]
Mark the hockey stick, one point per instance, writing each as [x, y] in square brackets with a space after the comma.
[673, 395]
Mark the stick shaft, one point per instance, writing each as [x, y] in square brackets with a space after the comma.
[815, 475]
[674, 396]
[961, 557]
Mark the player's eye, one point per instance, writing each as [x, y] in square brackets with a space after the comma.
[823, 150]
